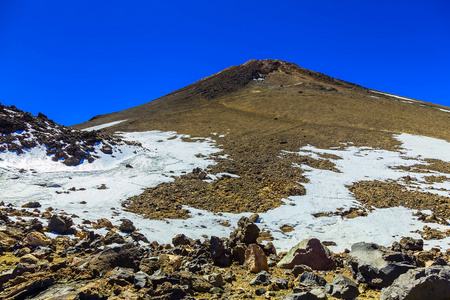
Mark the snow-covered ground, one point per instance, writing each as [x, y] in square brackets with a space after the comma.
[166, 155]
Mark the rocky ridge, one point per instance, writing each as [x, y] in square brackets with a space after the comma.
[21, 131]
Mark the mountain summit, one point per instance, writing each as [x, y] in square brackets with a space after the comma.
[249, 97]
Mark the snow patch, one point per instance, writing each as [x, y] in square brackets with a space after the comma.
[106, 125]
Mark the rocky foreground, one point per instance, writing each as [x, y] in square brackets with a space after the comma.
[124, 264]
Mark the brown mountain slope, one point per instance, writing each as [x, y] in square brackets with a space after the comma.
[292, 94]
[263, 108]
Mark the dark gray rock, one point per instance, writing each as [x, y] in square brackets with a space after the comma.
[301, 296]
[422, 283]
[281, 282]
[216, 280]
[60, 224]
[127, 226]
[262, 278]
[343, 288]
[113, 238]
[299, 269]
[181, 239]
[260, 291]
[308, 278]
[246, 232]
[140, 280]
[377, 266]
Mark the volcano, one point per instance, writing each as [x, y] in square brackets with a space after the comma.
[259, 110]
[187, 195]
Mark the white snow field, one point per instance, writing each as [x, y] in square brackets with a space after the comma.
[166, 155]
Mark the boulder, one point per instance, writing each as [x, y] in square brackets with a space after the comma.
[141, 280]
[60, 224]
[216, 279]
[126, 256]
[255, 259]
[343, 288]
[35, 239]
[107, 149]
[308, 252]
[113, 238]
[181, 239]
[32, 204]
[299, 269]
[377, 266]
[127, 226]
[422, 283]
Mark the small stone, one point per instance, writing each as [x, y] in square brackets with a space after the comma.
[216, 290]
[260, 291]
[343, 288]
[299, 269]
[32, 205]
[308, 278]
[262, 278]
[254, 218]
[104, 223]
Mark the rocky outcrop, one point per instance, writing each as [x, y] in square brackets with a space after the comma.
[422, 283]
[377, 266]
[246, 232]
[308, 252]
[21, 131]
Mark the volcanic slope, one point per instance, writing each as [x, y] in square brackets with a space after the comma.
[257, 111]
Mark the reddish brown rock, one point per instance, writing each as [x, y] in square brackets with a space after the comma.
[255, 259]
[35, 239]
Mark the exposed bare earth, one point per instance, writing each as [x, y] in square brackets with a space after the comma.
[384, 194]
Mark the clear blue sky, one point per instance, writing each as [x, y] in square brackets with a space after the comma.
[72, 60]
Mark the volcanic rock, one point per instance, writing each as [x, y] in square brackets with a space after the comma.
[408, 243]
[36, 239]
[262, 278]
[308, 252]
[343, 288]
[255, 259]
[246, 232]
[127, 226]
[376, 265]
[60, 224]
[422, 283]
[308, 278]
